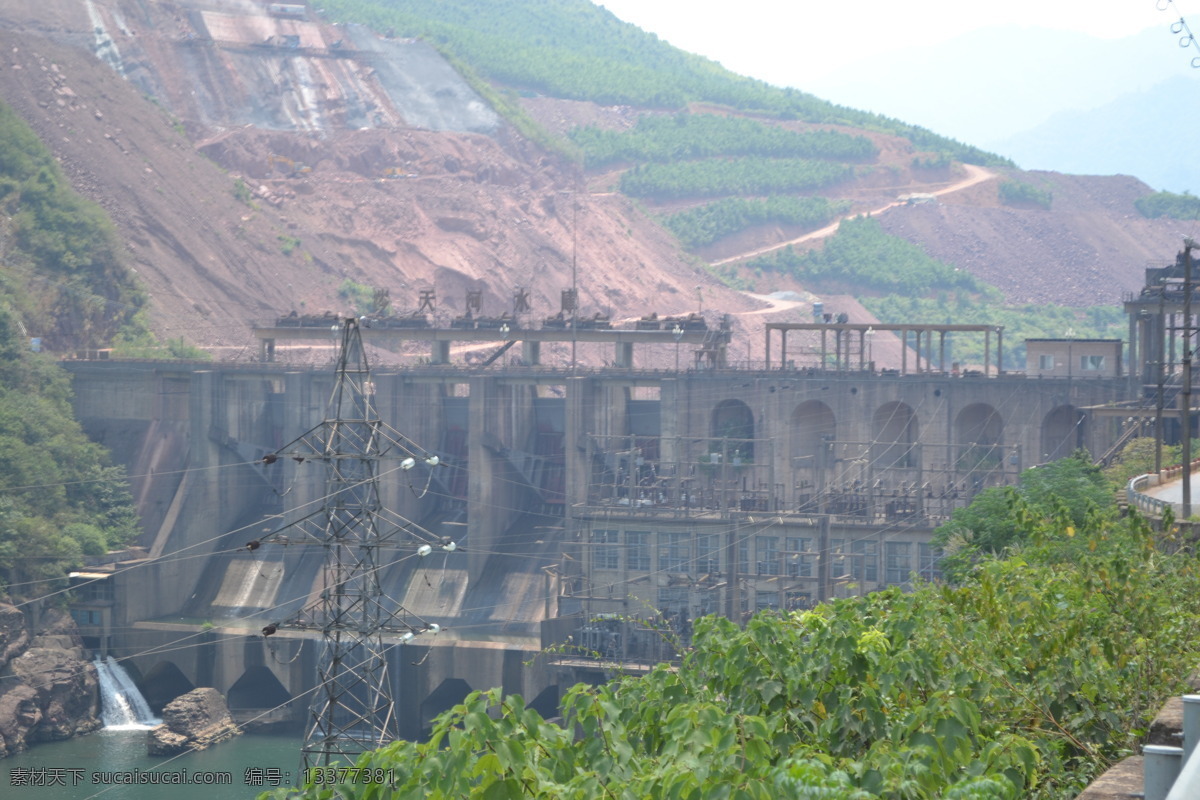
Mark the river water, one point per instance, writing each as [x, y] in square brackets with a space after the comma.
[87, 766]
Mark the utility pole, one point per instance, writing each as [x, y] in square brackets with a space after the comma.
[352, 709]
[1186, 395]
[823, 555]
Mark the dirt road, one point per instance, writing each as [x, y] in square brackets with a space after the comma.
[975, 175]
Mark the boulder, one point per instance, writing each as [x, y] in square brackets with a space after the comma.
[192, 721]
[48, 688]
[66, 688]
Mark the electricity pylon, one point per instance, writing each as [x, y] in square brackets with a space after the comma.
[351, 710]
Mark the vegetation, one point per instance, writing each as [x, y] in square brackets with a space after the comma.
[62, 281]
[63, 267]
[1067, 490]
[242, 194]
[1169, 204]
[288, 244]
[862, 253]
[741, 176]
[1138, 458]
[366, 300]
[575, 49]
[705, 224]
[59, 497]
[661, 138]
[1019, 193]
[941, 160]
[1024, 680]
[136, 341]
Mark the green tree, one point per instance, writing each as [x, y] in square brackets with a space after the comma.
[1169, 204]
[1067, 490]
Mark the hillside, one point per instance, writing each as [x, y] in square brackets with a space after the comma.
[255, 165]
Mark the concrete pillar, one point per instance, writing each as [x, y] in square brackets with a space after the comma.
[580, 402]
[482, 478]
[301, 413]
[531, 353]
[624, 355]
[439, 352]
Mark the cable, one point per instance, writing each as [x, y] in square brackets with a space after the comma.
[1182, 30]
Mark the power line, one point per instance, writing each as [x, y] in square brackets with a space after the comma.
[353, 711]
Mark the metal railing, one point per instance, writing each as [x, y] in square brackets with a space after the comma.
[1150, 506]
[1170, 773]
[1153, 506]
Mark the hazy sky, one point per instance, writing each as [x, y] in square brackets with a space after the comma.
[788, 44]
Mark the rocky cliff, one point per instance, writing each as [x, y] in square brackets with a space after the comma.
[48, 688]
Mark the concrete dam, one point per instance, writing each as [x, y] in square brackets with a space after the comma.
[588, 504]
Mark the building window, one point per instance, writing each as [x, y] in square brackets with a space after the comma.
[765, 600]
[709, 558]
[637, 552]
[768, 555]
[928, 562]
[93, 590]
[1045, 361]
[865, 567]
[799, 557]
[837, 560]
[743, 555]
[606, 549]
[674, 552]
[1091, 363]
[84, 616]
[897, 562]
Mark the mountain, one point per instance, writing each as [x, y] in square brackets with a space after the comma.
[259, 159]
[1142, 133]
[976, 87]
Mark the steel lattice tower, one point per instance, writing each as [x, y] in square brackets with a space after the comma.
[351, 710]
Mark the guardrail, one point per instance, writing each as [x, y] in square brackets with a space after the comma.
[1150, 506]
[1170, 773]
[1153, 506]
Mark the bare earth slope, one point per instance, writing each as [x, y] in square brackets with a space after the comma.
[253, 164]
[465, 210]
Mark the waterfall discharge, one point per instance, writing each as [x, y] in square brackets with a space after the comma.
[122, 706]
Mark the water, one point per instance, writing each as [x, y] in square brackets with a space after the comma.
[122, 705]
[113, 764]
[250, 762]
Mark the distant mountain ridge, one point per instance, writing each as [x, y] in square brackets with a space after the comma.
[976, 88]
[1145, 133]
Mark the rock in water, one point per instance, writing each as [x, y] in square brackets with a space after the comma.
[192, 721]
